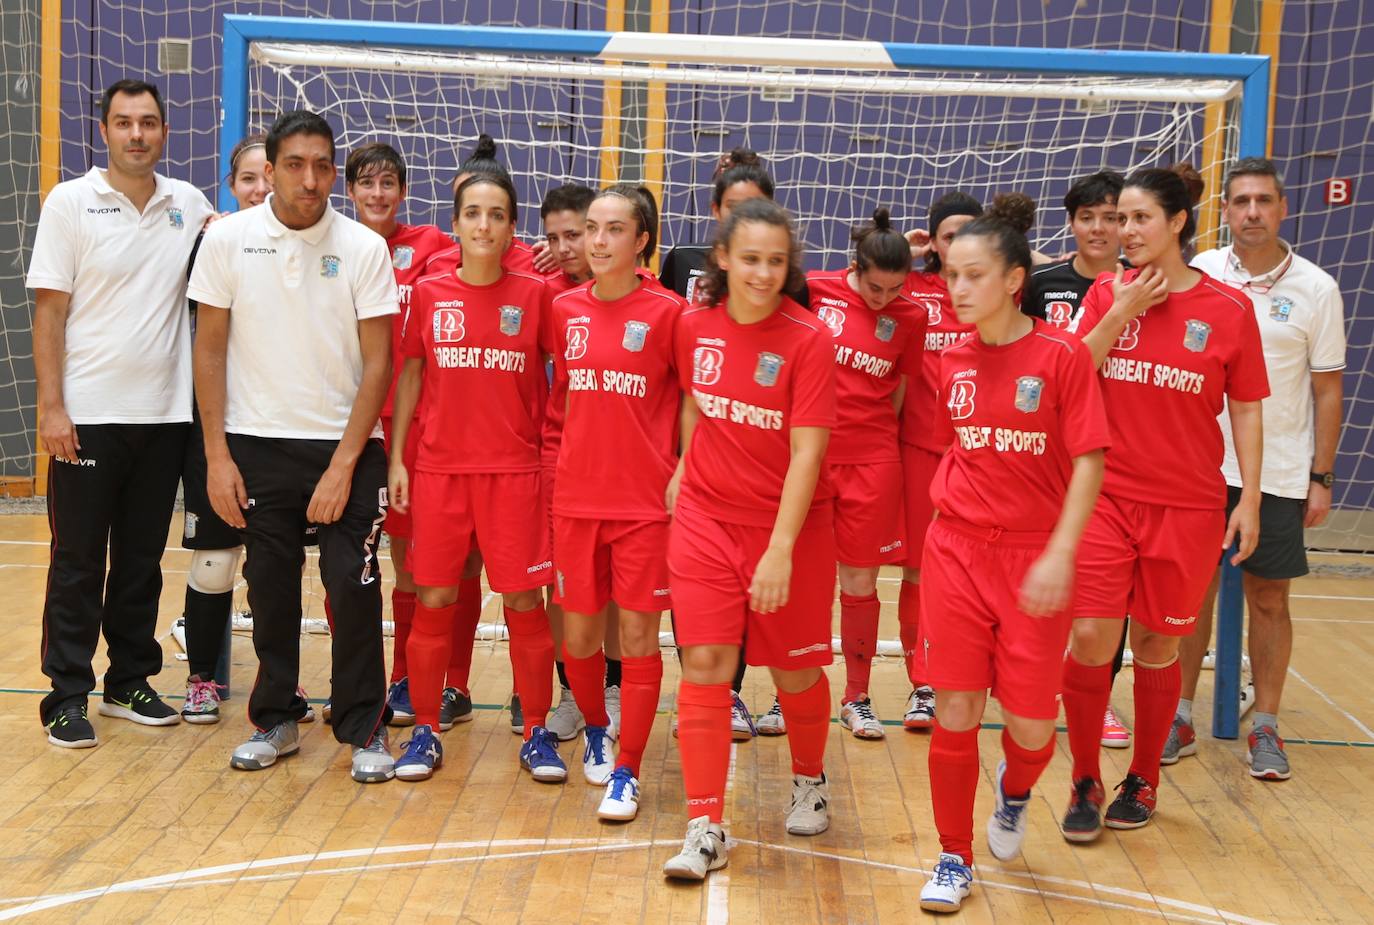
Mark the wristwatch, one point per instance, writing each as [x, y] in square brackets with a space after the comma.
[1324, 479]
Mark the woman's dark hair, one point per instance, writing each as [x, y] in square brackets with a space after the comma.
[256, 140]
[1006, 240]
[951, 203]
[1101, 188]
[483, 160]
[877, 245]
[740, 166]
[374, 158]
[1176, 189]
[1016, 209]
[572, 197]
[476, 179]
[715, 284]
[645, 211]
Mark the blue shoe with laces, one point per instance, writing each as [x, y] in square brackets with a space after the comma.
[539, 756]
[621, 802]
[597, 759]
[421, 756]
[398, 698]
[949, 884]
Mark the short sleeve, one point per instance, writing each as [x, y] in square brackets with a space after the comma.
[1082, 413]
[412, 337]
[813, 384]
[1326, 340]
[546, 333]
[1031, 302]
[1246, 376]
[374, 287]
[53, 263]
[213, 281]
[1097, 301]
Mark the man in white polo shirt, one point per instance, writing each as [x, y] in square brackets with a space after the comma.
[292, 362]
[1299, 310]
[112, 350]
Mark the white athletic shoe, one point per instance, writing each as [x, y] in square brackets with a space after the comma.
[703, 850]
[741, 722]
[566, 719]
[373, 763]
[772, 722]
[598, 759]
[621, 802]
[810, 813]
[949, 884]
[920, 709]
[265, 746]
[859, 717]
[613, 707]
[1007, 824]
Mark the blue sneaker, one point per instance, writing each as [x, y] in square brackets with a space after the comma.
[398, 698]
[621, 802]
[422, 755]
[597, 760]
[539, 756]
[949, 884]
[1007, 825]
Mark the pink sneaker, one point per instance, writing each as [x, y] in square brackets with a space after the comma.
[1114, 733]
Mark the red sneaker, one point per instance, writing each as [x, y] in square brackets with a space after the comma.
[1114, 732]
[1134, 804]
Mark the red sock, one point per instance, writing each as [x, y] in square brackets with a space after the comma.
[954, 778]
[858, 642]
[1024, 765]
[909, 625]
[464, 628]
[402, 614]
[703, 734]
[1086, 692]
[641, 681]
[431, 634]
[328, 613]
[807, 715]
[587, 679]
[531, 652]
[1156, 698]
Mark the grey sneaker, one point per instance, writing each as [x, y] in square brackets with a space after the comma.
[613, 707]
[264, 747]
[703, 850]
[566, 719]
[1268, 761]
[1181, 743]
[373, 763]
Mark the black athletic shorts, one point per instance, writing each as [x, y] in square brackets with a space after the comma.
[1281, 552]
[202, 529]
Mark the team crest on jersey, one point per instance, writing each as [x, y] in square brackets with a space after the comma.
[175, 218]
[512, 316]
[833, 318]
[960, 402]
[402, 257]
[886, 328]
[706, 365]
[1195, 337]
[636, 333]
[1281, 308]
[1028, 389]
[329, 266]
[769, 368]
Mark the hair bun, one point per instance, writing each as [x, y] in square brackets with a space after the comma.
[1191, 179]
[1015, 209]
[882, 219]
[486, 147]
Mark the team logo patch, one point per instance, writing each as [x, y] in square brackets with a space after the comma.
[767, 371]
[932, 307]
[329, 266]
[1196, 334]
[1059, 313]
[1028, 389]
[511, 318]
[636, 333]
[448, 325]
[578, 335]
[1281, 308]
[833, 318]
[960, 402]
[886, 328]
[706, 365]
[693, 277]
[175, 218]
[191, 521]
[402, 257]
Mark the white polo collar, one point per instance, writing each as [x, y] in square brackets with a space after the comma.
[1272, 276]
[312, 235]
[162, 189]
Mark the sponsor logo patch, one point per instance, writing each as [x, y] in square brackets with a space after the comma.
[578, 335]
[768, 369]
[448, 325]
[1028, 389]
[960, 402]
[833, 318]
[706, 365]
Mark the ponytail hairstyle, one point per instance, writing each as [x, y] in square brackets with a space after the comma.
[1176, 189]
[501, 180]
[951, 203]
[482, 160]
[256, 140]
[1005, 239]
[740, 165]
[877, 245]
[715, 284]
[645, 211]
[1016, 209]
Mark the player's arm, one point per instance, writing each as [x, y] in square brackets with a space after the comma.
[1049, 581]
[56, 432]
[403, 413]
[1247, 429]
[1326, 422]
[687, 425]
[1129, 301]
[773, 575]
[224, 484]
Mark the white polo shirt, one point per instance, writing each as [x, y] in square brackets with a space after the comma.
[295, 299]
[128, 351]
[1302, 324]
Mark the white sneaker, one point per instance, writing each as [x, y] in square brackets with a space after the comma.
[613, 707]
[264, 747]
[373, 762]
[1007, 824]
[949, 883]
[810, 814]
[772, 722]
[858, 715]
[920, 709]
[703, 850]
[741, 722]
[621, 802]
[566, 719]
[598, 761]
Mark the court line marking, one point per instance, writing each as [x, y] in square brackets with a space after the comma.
[1335, 706]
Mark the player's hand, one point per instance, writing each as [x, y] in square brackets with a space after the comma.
[772, 579]
[228, 494]
[1244, 523]
[214, 217]
[544, 260]
[1048, 583]
[1148, 289]
[918, 239]
[331, 495]
[57, 434]
[674, 487]
[1318, 505]
[398, 488]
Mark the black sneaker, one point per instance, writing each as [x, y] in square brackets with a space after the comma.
[517, 715]
[69, 728]
[456, 707]
[139, 705]
[1134, 803]
[1083, 819]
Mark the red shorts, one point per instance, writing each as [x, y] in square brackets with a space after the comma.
[1149, 561]
[546, 499]
[869, 525]
[918, 471]
[711, 564]
[977, 636]
[449, 509]
[397, 525]
[597, 561]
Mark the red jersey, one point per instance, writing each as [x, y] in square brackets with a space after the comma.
[484, 385]
[411, 248]
[919, 408]
[1164, 382]
[518, 258]
[1015, 415]
[752, 384]
[873, 351]
[614, 361]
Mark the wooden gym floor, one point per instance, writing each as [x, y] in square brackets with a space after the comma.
[153, 826]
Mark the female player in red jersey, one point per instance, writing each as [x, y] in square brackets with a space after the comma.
[476, 346]
[1020, 406]
[879, 341]
[751, 551]
[613, 355]
[920, 449]
[519, 256]
[1174, 347]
